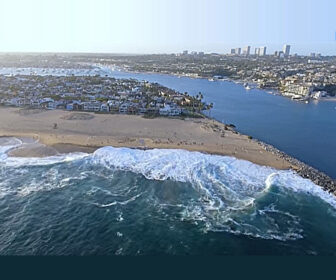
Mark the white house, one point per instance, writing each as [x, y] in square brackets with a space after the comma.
[52, 105]
[167, 110]
[104, 107]
[123, 108]
[92, 106]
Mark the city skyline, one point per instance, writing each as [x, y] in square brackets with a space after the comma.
[131, 26]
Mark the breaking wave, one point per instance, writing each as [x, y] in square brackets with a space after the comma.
[220, 177]
[228, 194]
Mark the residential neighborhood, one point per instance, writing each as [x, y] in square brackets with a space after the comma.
[293, 76]
[95, 94]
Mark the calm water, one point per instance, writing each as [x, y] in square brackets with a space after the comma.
[304, 131]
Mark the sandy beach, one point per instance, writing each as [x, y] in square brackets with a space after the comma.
[85, 132]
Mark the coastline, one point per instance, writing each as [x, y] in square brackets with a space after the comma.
[269, 90]
[78, 131]
[86, 132]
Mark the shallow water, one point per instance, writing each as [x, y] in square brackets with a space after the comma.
[175, 202]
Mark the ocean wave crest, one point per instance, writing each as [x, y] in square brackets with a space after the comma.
[228, 191]
[222, 176]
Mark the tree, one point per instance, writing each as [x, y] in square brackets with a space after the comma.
[199, 97]
[209, 107]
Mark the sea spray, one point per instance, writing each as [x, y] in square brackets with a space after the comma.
[214, 193]
[239, 176]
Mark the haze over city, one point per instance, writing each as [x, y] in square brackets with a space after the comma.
[150, 26]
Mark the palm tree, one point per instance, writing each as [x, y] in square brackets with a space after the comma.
[209, 107]
[199, 97]
[193, 103]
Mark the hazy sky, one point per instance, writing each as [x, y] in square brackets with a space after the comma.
[147, 26]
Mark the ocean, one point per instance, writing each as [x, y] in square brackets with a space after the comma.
[120, 201]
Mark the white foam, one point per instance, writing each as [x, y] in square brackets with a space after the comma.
[294, 182]
[221, 179]
[7, 144]
[19, 162]
[227, 188]
[235, 178]
[118, 202]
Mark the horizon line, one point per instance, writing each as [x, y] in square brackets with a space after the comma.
[144, 53]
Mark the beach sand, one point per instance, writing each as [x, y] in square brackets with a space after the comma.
[85, 132]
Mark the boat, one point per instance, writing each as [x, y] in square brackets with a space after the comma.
[247, 87]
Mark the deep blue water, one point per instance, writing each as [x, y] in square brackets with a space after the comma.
[304, 131]
[159, 202]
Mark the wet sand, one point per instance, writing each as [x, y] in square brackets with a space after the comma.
[85, 132]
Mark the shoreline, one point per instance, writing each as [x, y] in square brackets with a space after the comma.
[268, 90]
[86, 132]
[306, 171]
[90, 131]
[39, 150]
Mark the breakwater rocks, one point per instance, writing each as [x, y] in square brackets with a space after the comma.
[304, 170]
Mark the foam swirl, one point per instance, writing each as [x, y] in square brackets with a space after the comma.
[225, 194]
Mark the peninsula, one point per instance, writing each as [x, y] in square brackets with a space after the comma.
[57, 131]
[61, 131]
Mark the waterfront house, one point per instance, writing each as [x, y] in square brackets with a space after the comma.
[60, 105]
[123, 108]
[132, 109]
[35, 103]
[69, 106]
[142, 110]
[168, 110]
[92, 106]
[104, 107]
[51, 105]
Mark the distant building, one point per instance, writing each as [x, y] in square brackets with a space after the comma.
[286, 50]
[185, 53]
[233, 51]
[262, 51]
[238, 51]
[247, 50]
